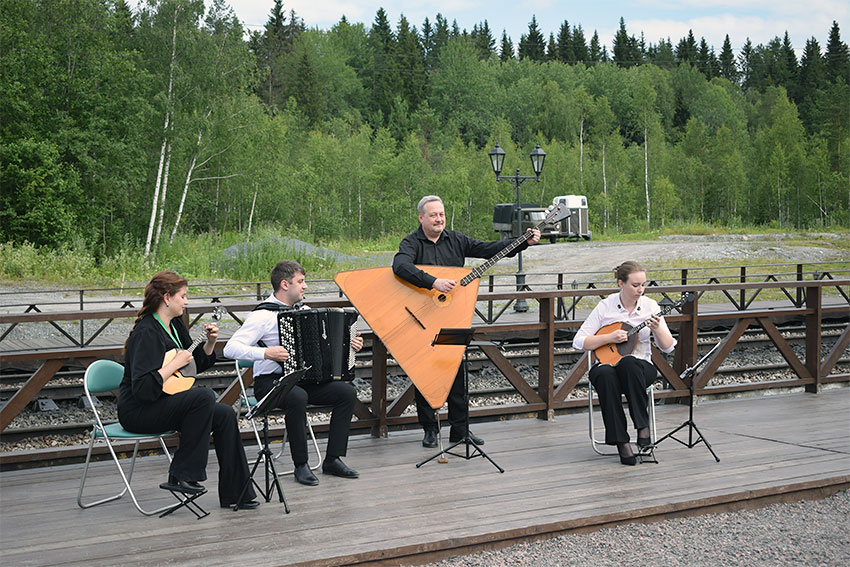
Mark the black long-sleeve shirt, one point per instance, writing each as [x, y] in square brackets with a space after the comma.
[143, 358]
[451, 249]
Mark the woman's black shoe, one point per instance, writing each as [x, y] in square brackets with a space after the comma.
[644, 442]
[626, 455]
[185, 486]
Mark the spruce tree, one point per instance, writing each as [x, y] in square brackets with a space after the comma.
[551, 49]
[836, 57]
[441, 38]
[565, 44]
[621, 47]
[728, 70]
[306, 89]
[812, 82]
[790, 69]
[686, 50]
[596, 53]
[532, 45]
[813, 75]
[663, 55]
[427, 43]
[745, 64]
[411, 60]
[484, 41]
[386, 82]
[506, 51]
[580, 45]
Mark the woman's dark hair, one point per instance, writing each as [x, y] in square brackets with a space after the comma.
[165, 282]
[623, 271]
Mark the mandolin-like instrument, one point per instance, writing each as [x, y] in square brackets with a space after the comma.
[612, 353]
[183, 379]
[407, 318]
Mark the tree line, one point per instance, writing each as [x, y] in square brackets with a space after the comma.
[122, 129]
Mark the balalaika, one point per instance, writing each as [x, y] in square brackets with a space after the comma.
[320, 339]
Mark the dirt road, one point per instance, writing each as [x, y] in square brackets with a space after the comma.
[585, 257]
[583, 260]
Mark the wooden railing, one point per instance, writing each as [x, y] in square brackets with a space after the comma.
[812, 371]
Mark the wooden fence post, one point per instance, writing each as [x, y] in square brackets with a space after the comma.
[546, 350]
[379, 387]
[814, 300]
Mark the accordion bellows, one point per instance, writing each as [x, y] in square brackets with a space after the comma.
[319, 339]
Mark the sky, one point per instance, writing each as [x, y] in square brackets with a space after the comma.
[760, 20]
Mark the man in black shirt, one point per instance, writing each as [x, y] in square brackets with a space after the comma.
[432, 245]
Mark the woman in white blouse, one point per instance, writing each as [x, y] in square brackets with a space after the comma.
[634, 372]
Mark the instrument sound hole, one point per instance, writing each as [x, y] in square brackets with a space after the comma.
[441, 297]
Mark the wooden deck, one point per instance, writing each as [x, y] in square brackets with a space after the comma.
[771, 447]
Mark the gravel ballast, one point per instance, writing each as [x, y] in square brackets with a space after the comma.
[807, 533]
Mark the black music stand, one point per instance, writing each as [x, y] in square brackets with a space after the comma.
[449, 336]
[280, 388]
[688, 374]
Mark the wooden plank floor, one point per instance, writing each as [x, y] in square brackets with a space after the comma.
[553, 482]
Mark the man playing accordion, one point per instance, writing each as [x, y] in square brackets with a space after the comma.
[259, 339]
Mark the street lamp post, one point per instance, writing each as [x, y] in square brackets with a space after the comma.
[497, 159]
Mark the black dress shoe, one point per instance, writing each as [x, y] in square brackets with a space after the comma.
[472, 437]
[249, 505]
[185, 486]
[430, 439]
[335, 466]
[304, 475]
[644, 442]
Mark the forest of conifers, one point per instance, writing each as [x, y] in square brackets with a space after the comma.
[125, 126]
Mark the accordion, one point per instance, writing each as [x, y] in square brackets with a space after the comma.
[320, 339]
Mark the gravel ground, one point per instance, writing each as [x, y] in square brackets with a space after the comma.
[807, 533]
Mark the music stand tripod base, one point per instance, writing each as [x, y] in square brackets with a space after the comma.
[449, 336]
[281, 387]
[688, 374]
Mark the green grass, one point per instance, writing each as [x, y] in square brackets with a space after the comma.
[726, 272]
[201, 258]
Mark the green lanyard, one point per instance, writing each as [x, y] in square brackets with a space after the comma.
[167, 330]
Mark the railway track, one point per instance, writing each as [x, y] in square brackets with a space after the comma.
[68, 384]
[488, 387]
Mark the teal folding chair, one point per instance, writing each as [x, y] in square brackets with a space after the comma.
[250, 401]
[105, 376]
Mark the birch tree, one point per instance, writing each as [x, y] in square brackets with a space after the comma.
[164, 153]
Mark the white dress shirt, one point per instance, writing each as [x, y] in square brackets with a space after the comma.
[260, 325]
[611, 310]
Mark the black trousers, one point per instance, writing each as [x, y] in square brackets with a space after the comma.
[630, 377]
[340, 395]
[196, 415]
[458, 408]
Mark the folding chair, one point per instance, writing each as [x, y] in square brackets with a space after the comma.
[250, 401]
[105, 376]
[645, 453]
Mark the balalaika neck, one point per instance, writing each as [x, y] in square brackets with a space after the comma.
[479, 270]
[196, 343]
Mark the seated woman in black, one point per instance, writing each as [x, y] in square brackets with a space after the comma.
[144, 408]
[633, 373]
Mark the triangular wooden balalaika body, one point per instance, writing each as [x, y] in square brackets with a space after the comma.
[407, 318]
